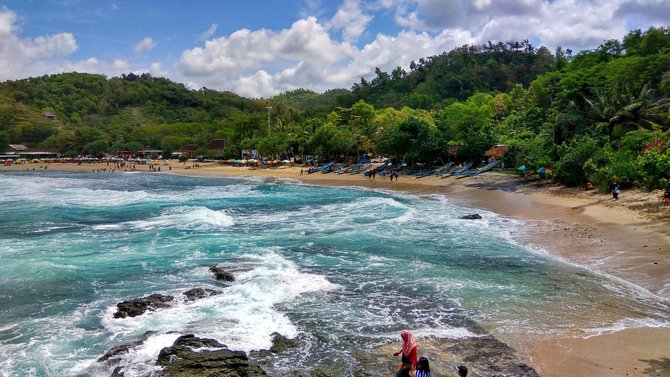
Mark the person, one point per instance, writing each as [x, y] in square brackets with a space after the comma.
[589, 186]
[422, 368]
[615, 191]
[666, 196]
[462, 371]
[409, 349]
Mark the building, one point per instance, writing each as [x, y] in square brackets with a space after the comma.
[15, 151]
[49, 115]
[218, 146]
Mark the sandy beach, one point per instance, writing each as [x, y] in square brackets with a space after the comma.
[628, 239]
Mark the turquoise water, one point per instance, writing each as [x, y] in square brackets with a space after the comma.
[342, 269]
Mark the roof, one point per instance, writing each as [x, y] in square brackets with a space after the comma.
[497, 151]
[656, 144]
[18, 147]
[188, 148]
[217, 144]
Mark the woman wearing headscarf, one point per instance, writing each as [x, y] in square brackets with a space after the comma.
[409, 349]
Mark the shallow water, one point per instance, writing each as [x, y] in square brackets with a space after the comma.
[343, 269]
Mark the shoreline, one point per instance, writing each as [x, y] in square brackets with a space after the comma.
[626, 240]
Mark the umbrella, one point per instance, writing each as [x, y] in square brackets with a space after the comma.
[522, 168]
[541, 170]
[285, 161]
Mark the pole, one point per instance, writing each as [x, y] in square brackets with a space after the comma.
[269, 108]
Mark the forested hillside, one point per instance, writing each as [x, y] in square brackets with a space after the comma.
[599, 115]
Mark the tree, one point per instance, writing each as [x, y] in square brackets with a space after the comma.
[97, 147]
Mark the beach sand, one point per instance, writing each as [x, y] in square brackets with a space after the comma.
[628, 239]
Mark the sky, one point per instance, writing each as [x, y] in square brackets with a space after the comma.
[260, 48]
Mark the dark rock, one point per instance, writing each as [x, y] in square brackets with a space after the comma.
[197, 293]
[117, 372]
[186, 358]
[222, 275]
[111, 355]
[120, 349]
[137, 306]
[280, 343]
[472, 216]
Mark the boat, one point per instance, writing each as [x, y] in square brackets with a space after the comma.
[461, 170]
[484, 168]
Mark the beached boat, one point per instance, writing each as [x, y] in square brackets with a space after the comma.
[460, 170]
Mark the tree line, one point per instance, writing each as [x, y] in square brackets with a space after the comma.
[597, 115]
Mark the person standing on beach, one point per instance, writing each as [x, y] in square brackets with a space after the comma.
[666, 196]
[409, 349]
[615, 191]
[462, 371]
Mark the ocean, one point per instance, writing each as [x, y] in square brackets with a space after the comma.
[342, 269]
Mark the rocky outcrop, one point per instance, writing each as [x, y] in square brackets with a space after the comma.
[195, 357]
[137, 306]
[472, 216]
[111, 355]
[222, 275]
[280, 343]
[482, 355]
[491, 357]
[198, 293]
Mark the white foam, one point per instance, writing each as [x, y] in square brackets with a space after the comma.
[180, 218]
[243, 317]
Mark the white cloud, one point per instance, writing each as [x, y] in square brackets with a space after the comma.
[209, 32]
[262, 63]
[145, 45]
[350, 19]
[20, 57]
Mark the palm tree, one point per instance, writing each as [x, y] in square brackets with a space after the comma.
[629, 108]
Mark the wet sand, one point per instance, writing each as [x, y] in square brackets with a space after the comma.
[628, 239]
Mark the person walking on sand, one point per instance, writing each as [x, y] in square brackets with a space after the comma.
[666, 196]
[409, 349]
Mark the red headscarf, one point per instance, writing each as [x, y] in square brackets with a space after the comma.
[408, 342]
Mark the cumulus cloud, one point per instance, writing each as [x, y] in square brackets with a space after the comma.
[145, 45]
[262, 63]
[350, 19]
[22, 56]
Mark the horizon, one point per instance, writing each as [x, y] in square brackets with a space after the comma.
[259, 49]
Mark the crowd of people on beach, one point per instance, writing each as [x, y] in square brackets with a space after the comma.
[413, 366]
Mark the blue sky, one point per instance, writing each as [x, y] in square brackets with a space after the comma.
[259, 48]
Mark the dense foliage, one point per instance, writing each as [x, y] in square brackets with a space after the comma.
[599, 115]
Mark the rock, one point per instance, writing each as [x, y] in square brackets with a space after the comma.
[280, 343]
[137, 306]
[222, 275]
[491, 357]
[197, 293]
[111, 356]
[117, 372]
[472, 216]
[118, 350]
[186, 357]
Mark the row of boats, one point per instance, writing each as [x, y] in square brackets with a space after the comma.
[386, 168]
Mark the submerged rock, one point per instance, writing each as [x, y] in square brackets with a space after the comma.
[472, 216]
[195, 357]
[137, 306]
[222, 275]
[490, 356]
[197, 293]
